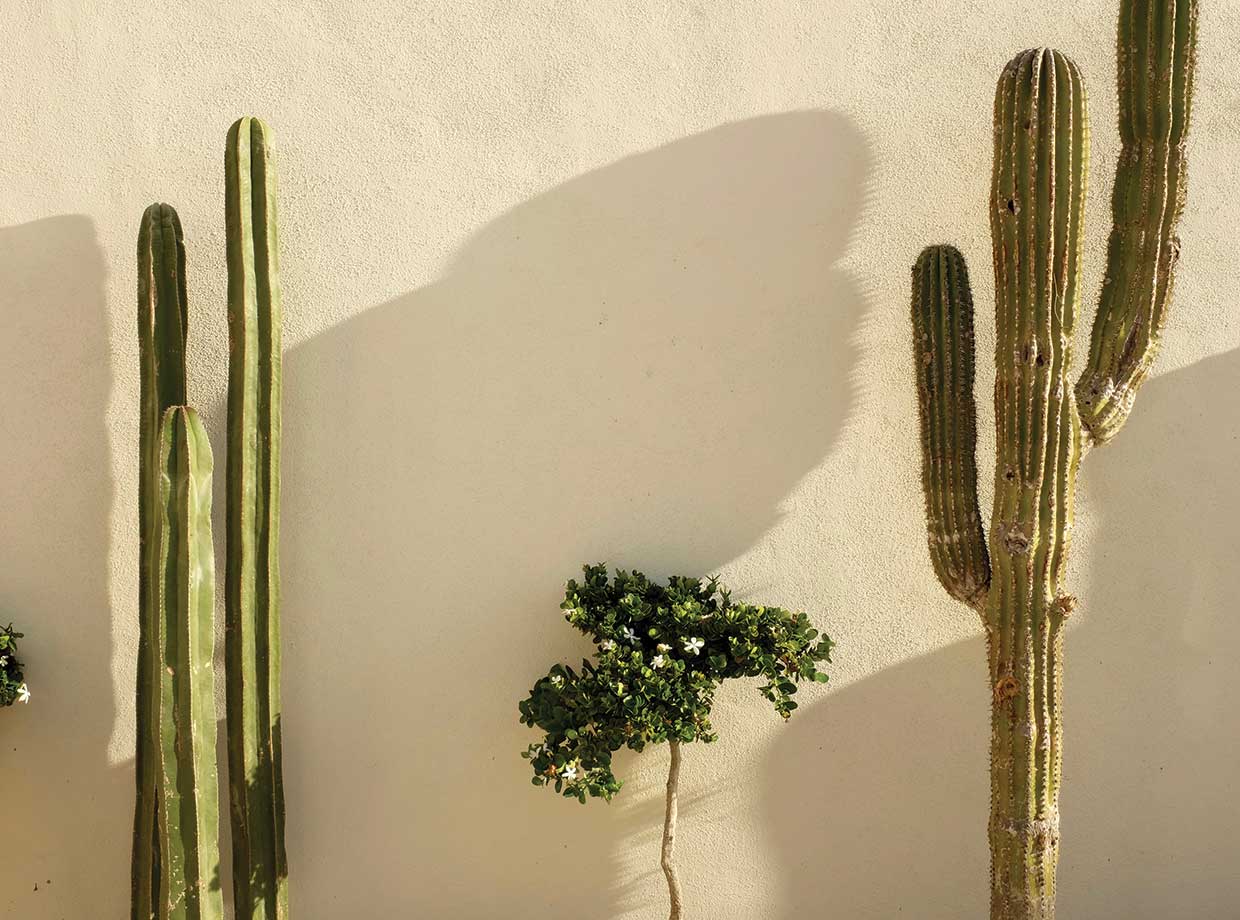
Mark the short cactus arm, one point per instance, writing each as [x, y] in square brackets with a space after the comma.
[942, 313]
[1156, 53]
[189, 807]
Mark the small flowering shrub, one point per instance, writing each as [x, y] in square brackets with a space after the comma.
[661, 653]
[12, 681]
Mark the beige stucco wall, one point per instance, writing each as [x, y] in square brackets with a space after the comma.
[610, 281]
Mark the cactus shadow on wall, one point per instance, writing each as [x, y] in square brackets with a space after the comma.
[636, 366]
[61, 796]
[894, 766]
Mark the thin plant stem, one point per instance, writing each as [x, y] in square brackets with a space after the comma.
[669, 833]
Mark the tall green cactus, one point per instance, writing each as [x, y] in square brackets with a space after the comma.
[176, 852]
[1043, 423]
[176, 847]
[162, 323]
[189, 806]
[252, 647]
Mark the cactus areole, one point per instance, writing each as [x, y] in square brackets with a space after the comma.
[1014, 579]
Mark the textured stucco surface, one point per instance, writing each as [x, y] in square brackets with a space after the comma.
[617, 281]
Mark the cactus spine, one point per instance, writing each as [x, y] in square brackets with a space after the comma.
[1036, 209]
[162, 325]
[252, 648]
[176, 848]
[189, 811]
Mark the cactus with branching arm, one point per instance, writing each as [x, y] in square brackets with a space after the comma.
[1044, 423]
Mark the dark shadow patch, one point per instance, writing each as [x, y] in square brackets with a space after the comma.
[62, 798]
[636, 366]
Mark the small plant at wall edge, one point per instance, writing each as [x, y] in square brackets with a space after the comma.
[13, 687]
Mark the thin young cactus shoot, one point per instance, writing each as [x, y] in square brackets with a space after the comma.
[1015, 580]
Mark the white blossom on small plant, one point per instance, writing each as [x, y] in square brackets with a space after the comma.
[23, 694]
[637, 691]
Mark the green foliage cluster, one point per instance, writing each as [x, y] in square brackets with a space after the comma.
[12, 680]
[661, 653]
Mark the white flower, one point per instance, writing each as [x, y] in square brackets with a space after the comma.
[607, 645]
[659, 661]
[663, 647]
[570, 772]
[4, 660]
[557, 679]
[630, 636]
[23, 693]
[694, 646]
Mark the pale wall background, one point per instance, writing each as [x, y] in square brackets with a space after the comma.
[600, 281]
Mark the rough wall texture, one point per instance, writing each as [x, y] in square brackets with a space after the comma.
[586, 281]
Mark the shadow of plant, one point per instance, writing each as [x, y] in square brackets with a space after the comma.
[263, 886]
[638, 365]
[62, 796]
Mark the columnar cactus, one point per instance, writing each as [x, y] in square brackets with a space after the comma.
[176, 850]
[1043, 423]
[162, 324]
[252, 645]
[189, 799]
[176, 847]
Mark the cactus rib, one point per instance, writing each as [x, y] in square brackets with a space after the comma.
[162, 328]
[189, 791]
[252, 648]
